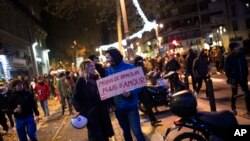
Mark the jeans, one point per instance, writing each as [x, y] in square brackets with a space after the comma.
[199, 82]
[244, 87]
[63, 102]
[44, 105]
[26, 126]
[129, 119]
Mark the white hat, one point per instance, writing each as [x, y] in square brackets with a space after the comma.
[79, 121]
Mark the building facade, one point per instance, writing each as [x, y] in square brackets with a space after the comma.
[192, 23]
[22, 39]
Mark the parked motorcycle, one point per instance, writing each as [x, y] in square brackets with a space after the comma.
[159, 94]
[205, 125]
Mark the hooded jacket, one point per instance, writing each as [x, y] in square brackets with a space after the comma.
[120, 101]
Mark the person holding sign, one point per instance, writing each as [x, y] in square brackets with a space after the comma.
[87, 102]
[126, 104]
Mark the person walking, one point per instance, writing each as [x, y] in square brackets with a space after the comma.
[5, 94]
[23, 105]
[87, 102]
[236, 70]
[188, 65]
[143, 96]
[65, 91]
[42, 91]
[126, 104]
[200, 70]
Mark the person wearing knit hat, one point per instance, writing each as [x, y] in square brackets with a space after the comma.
[236, 70]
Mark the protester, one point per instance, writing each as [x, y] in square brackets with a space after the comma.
[5, 94]
[200, 70]
[42, 91]
[24, 106]
[236, 70]
[143, 96]
[3, 103]
[87, 102]
[126, 104]
[172, 65]
[188, 65]
[65, 91]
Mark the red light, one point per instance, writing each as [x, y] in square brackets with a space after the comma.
[174, 42]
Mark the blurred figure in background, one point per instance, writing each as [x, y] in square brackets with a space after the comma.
[188, 65]
[42, 91]
[65, 91]
[236, 70]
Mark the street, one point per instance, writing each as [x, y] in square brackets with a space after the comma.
[59, 128]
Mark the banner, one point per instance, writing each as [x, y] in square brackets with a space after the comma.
[118, 83]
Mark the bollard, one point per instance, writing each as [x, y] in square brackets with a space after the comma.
[210, 93]
[186, 81]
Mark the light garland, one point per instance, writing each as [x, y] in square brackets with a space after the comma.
[148, 26]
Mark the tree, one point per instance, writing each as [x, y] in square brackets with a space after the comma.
[105, 10]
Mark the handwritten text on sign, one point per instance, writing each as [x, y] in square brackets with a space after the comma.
[120, 82]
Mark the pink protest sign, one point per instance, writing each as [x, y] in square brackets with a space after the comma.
[120, 82]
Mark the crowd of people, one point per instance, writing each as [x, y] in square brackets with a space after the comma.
[19, 97]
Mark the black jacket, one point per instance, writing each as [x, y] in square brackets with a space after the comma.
[4, 101]
[86, 100]
[200, 67]
[189, 63]
[100, 69]
[172, 65]
[236, 67]
[27, 102]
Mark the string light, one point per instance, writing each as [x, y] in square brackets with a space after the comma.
[148, 26]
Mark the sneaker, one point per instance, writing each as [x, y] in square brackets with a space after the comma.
[234, 112]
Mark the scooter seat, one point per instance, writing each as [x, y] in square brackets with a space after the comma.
[156, 89]
[218, 119]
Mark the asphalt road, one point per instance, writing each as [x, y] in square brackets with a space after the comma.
[58, 128]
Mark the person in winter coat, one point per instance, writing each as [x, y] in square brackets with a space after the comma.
[172, 65]
[24, 106]
[143, 96]
[87, 102]
[200, 70]
[188, 65]
[126, 104]
[3, 107]
[5, 94]
[42, 91]
[236, 70]
[65, 92]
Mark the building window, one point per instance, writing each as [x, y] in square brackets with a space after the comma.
[235, 26]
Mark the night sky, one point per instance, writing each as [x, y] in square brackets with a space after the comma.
[62, 32]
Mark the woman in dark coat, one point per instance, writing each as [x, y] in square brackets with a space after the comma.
[87, 102]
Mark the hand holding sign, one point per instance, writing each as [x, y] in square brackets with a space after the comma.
[121, 83]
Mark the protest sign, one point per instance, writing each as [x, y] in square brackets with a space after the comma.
[121, 82]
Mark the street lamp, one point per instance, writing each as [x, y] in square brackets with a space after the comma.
[157, 35]
[220, 32]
